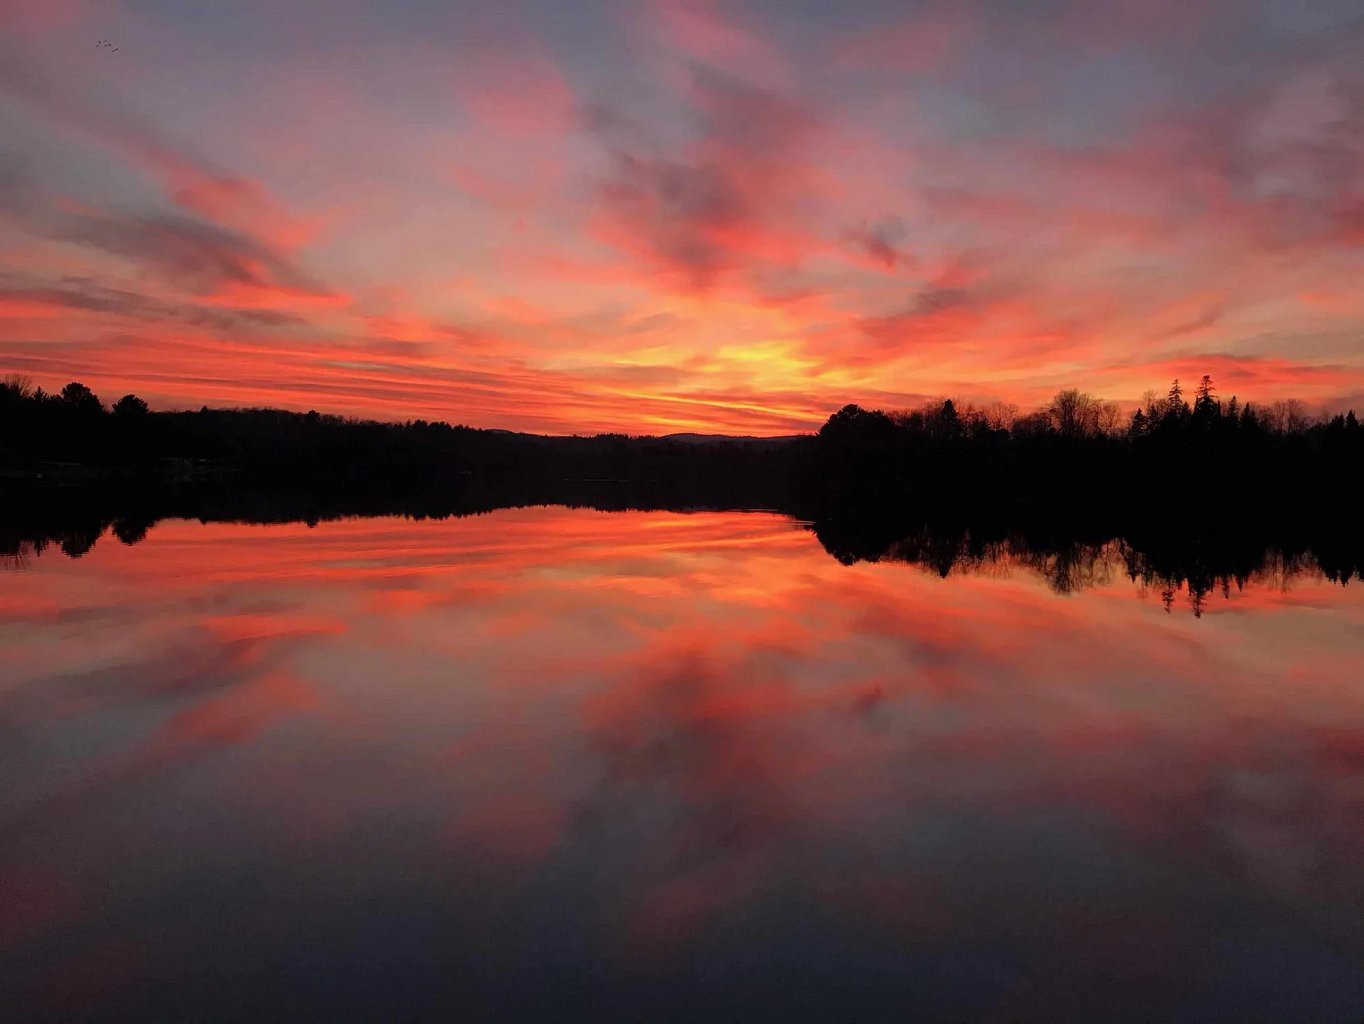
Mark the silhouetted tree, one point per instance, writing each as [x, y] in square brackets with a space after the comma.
[1287, 417]
[81, 399]
[16, 386]
[1205, 403]
[130, 407]
[948, 415]
[1069, 411]
[1175, 406]
[132, 530]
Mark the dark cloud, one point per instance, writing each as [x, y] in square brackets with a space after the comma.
[674, 209]
[195, 256]
[940, 299]
[882, 242]
[191, 182]
[658, 733]
[191, 254]
[217, 240]
[937, 315]
[87, 295]
[718, 203]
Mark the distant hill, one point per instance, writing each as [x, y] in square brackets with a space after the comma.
[767, 442]
[764, 443]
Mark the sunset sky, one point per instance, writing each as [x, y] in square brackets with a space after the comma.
[653, 216]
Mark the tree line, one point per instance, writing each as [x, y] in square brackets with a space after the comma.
[1076, 415]
[72, 437]
[1198, 459]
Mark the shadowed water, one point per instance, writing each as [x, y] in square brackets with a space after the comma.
[566, 764]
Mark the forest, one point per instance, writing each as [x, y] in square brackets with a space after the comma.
[1194, 459]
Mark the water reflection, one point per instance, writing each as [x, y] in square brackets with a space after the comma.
[1176, 564]
[1171, 566]
[554, 763]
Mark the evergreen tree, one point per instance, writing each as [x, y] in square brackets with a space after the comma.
[130, 407]
[1174, 401]
[1205, 403]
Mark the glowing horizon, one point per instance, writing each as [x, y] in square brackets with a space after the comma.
[657, 217]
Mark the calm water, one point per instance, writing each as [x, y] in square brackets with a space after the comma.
[570, 764]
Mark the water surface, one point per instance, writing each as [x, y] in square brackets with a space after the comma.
[566, 764]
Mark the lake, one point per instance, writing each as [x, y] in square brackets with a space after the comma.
[553, 763]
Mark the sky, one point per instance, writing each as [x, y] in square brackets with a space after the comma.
[653, 216]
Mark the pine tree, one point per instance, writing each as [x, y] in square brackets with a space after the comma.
[1204, 402]
[1174, 402]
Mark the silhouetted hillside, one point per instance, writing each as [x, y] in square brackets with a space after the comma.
[72, 437]
[1200, 466]
[1195, 466]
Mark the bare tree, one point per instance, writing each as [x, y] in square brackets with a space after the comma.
[1152, 404]
[1287, 417]
[1034, 424]
[1075, 413]
[1109, 418]
[1000, 415]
